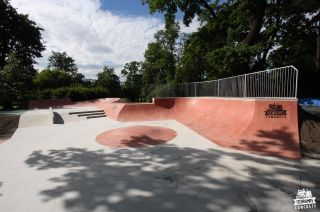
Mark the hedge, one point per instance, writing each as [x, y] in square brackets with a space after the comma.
[75, 93]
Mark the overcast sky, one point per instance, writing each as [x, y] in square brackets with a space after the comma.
[95, 32]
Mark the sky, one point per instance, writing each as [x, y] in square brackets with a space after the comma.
[95, 32]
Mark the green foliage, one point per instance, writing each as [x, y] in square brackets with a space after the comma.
[132, 86]
[193, 65]
[297, 44]
[190, 8]
[52, 78]
[109, 80]
[241, 36]
[159, 65]
[227, 60]
[75, 93]
[167, 37]
[16, 78]
[161, 57]
[18, 34]
[61, 61]
[20, 44]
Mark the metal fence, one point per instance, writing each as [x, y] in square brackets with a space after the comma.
[273, 83]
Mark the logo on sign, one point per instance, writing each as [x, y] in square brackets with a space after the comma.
[304, 200]
[275, 111]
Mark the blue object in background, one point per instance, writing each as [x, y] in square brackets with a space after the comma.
[309, 101]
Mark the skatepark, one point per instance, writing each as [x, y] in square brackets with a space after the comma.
[195, 153]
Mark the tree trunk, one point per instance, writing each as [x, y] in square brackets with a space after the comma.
[254, 31]
[256, 24]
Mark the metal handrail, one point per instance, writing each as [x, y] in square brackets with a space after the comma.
[271, 83]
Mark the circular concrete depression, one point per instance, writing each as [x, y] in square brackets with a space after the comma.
[136, 136]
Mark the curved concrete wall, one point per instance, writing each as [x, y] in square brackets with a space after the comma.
[234, 123]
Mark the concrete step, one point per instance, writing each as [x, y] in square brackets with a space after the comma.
[88, 111]
[98, 116]
[91, 114]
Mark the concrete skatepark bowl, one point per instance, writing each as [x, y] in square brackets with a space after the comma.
[203, 154]
[207, 164]
[262, 126]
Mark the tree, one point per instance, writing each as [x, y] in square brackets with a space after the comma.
[133, 73]
[168, 36]
[160, 56]
[18, 35]
[250, 28]
[62, 62]
[190, 8]
[241, 36]
[299, 43]
[16, 79]
[54, 78]
[20, 44]
[109, 80]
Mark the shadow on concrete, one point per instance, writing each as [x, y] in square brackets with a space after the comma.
[57, 118]
[142, 141]
[280, 143]
[167, 103]
[167, 178]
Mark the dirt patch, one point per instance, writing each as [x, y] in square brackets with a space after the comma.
[309, 124]
[8, 125]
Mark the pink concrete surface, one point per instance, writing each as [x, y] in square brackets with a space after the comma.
[233, 123]
[46, 103]
[136, 136]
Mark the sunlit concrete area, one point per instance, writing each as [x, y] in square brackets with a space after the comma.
[61, 167]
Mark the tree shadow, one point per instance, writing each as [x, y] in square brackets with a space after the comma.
[141, 141]
[279, 142]
[164, 178]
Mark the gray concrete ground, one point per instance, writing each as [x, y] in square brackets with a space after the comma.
[61, 168]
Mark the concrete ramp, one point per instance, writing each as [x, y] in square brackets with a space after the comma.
[263, 126]
[35, 118]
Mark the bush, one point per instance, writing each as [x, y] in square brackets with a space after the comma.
[75, 93]
[59, 93]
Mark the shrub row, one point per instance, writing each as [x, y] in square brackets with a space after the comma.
[76, 93]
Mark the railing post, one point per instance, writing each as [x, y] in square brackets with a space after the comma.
[245, 86]
[218, 88]
[195, 89]
[296, 89]
[172, 90]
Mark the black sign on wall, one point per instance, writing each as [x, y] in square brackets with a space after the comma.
[275, 111]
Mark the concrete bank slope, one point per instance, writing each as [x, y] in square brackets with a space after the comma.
[263, 126]
[33, 118]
